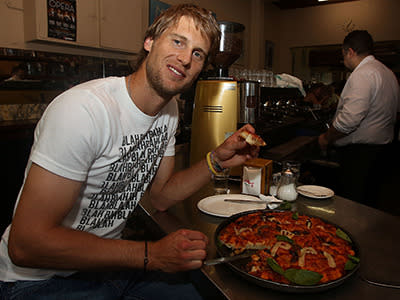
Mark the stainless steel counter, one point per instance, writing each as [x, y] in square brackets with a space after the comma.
[376, 233]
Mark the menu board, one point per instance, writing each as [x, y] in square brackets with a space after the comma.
[61, 19]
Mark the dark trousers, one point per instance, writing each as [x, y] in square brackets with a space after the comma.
[104, 286]
[363, 171]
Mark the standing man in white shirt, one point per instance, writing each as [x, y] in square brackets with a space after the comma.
[363, 126]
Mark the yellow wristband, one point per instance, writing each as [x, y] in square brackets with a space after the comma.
[210, 165]
[215, 164]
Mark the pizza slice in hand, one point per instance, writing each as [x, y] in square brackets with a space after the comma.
[252, 138]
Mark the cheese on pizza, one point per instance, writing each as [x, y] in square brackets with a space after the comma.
[252, 138]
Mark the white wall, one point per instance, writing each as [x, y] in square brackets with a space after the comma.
[12, 26]
[327, 24]
[321, 25]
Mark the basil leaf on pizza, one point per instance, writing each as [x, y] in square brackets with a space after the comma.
[351, 263]
[274, 266]
[284, 238]
[302, 277]
[340, 233]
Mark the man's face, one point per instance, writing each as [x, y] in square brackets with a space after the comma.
[347, 58]
[176, 58]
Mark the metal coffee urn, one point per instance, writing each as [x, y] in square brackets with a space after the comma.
[216, 102]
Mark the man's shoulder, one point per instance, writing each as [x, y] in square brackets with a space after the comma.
[373, 65]
[91, 91]
[98, 83]
[372, 68]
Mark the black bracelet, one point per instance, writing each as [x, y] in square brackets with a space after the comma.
[146, 259]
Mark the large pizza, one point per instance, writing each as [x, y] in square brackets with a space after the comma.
[289, 248]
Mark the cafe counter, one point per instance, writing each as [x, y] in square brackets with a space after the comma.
[375, 232]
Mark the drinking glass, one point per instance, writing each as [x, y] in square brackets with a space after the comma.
[221, 182]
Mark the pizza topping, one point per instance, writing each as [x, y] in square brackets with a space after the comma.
[255, 269]
[278, 245]
[308, 224]
[340, 233]
[351, 263]
[252, 138]
[255, 246]
[303, 252]
[306, 247]
[284, 238]
[298, 276]
[303, 277]
[273, 219]
[287, 233]
[239, 231]
[331, 261]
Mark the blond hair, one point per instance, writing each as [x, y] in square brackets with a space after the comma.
[203, 20]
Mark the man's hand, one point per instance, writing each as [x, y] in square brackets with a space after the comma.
[167, 188]
[235, 151]
[179, 251]
[329, 137]
[323, 142]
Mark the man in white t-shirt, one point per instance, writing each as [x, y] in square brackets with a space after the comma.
[364, 124]
[98, 147]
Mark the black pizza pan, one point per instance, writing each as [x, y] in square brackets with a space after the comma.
[239, 266]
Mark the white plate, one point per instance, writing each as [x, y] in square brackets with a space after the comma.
[315, 191]
[216, 206]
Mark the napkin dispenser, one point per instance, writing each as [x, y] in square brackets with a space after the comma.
[256, 176]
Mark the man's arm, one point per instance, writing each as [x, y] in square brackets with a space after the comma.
[38, 239]
[167, 188]
[329, 137]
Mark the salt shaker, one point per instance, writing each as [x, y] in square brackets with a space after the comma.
[287, 186]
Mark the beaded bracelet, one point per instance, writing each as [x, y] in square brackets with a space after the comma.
[216, 165]
[146, 258]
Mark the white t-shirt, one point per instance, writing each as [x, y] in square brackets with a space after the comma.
[95, 134]
[368, 104]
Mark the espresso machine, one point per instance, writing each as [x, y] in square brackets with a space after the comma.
[216, 103]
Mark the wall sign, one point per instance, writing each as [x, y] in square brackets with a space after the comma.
[61, 19]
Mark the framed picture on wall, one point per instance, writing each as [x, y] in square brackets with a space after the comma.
[156, 8]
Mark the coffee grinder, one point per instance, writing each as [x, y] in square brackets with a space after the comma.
[216, 102]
